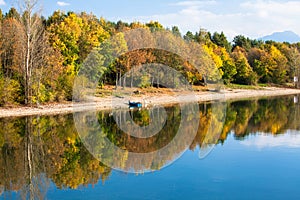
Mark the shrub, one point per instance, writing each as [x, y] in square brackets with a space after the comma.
[10, 92]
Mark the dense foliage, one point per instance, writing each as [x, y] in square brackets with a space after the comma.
[40, 57]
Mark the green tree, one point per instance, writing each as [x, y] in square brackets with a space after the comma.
[189, 36]
[155, 26]
[93, 67]
[257, 43]
[203, 36]
[176, 31]
[228, 66]
[110, 50]
[56, 18]
[122, 26]
[242, 41]
[221, 40]
[12, 13]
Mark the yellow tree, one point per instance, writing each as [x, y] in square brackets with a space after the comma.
[228, 67]
[209, 50]
[75, 36]
[272, 66]
[280, 67]
[245, 74]
[92, 35]
[64, 36]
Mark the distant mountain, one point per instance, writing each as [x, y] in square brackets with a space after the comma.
[286, 36]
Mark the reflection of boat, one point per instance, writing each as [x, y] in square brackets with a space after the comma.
[135, 104]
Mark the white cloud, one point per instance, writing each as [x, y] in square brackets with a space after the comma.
[61, 3]
[252, 18]
[2, 3]
[274, 15]
[274, 7]
[265, 141]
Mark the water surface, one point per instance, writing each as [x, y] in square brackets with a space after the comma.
[257, 155]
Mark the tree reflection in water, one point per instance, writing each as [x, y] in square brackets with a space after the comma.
[38, 150]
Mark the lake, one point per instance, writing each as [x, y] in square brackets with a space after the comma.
[246, 149]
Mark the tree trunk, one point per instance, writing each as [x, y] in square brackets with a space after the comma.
[157, 72]
[117, 78]
[36, 47]
[173, 74]
[131, 81]
[124, 82]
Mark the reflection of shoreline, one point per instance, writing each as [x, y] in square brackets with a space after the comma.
[106, 102]
[58, 153]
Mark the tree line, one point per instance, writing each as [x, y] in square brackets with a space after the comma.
[40, 57]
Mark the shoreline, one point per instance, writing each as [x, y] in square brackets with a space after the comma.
[105, 103]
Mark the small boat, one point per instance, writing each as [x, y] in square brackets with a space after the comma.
[135, 104]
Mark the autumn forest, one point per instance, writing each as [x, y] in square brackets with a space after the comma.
[40, 57]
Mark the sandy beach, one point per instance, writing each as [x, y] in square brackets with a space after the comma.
[107, 103]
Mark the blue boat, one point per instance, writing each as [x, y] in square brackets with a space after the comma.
[135, 104]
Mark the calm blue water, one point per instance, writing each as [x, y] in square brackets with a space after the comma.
[254, 165]
[232, 171]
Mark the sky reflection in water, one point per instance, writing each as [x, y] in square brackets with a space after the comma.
[256, 157]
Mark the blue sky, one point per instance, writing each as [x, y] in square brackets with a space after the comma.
[251, 18]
